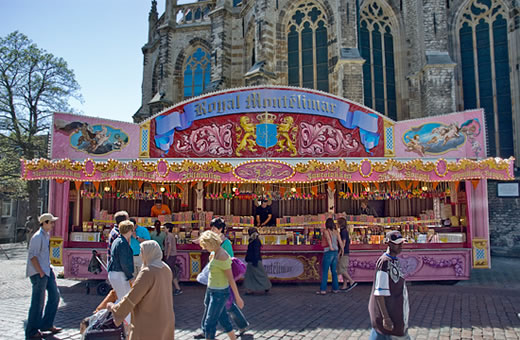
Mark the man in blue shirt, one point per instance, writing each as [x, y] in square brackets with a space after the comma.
[42, 279]
[140, 234]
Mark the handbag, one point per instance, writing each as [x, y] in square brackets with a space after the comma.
[238, 268]
[203, 276]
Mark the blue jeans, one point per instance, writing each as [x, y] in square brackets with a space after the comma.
[330, 260]
[35, 320]
[215, 312]
[237, 316]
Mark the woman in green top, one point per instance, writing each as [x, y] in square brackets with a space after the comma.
[157, 235]
[219, 227]
[219, 280]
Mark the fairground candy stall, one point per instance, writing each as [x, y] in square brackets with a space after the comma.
[311, 154]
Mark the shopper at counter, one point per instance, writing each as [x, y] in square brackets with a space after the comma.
[170, 257]
[119, 216]
[152, 313]
[264, 214]
[256, 279]
[139, 235]
[330, 257]
[343, 261]
[157, 235]
[388, 305]
[159, 209]
[218, 226]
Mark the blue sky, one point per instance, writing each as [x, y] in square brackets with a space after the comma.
[101, 41]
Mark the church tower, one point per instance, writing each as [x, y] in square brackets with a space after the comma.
[403, 58]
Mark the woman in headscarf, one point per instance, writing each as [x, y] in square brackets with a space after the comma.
[147, 301]
[256, 279]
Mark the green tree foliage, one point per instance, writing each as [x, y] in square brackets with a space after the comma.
[33, 85]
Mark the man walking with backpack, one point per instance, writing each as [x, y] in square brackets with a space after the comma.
[388, 305]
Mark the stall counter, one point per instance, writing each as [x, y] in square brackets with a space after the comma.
[285, 263]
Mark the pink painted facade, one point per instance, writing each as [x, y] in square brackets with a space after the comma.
[276, 135]
[81, 137]
[267, 171]
[456, 135]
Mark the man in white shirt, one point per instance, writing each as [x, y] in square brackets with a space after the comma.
[43, 279]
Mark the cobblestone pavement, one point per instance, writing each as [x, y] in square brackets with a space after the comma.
[485, 307]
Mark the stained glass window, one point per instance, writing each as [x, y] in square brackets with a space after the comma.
[307, 57]
[197, 73]
[484, 56]
[376, 43]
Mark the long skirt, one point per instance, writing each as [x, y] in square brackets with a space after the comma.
[256, 278]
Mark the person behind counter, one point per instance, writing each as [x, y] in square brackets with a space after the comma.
[366, 209]
[159, 209]
[264, 214]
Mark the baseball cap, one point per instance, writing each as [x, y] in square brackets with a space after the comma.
[47, 217]
[394, 236]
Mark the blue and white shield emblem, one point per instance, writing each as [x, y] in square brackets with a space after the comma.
[266, 134]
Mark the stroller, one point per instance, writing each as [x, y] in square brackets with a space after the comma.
[101, 326]
[95, 266]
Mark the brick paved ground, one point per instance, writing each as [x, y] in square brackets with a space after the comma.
[485, 307]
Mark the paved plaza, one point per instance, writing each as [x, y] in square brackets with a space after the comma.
[485, 307]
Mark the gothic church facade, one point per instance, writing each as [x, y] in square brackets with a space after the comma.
[404, 58]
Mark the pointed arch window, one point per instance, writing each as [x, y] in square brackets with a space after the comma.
[376, 42]
[197, 73]
[484, 52]
[307, 55]
[155, 78]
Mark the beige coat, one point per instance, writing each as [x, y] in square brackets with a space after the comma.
[150, 301]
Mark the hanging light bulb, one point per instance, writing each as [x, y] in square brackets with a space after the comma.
[367, 189]
[293, 189]
[234, 189]
[106, 188]
[424, 188]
